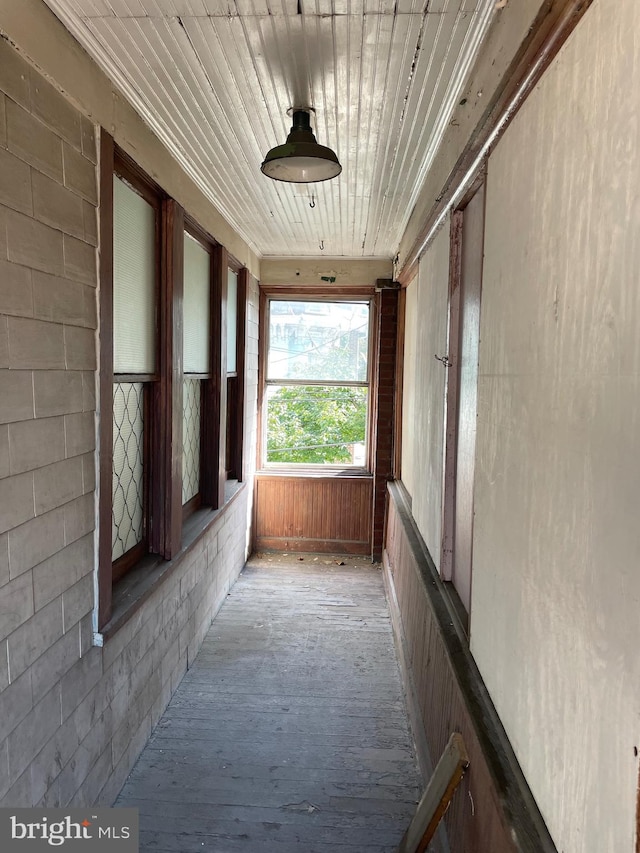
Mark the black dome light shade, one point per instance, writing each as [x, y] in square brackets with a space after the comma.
[301, 160]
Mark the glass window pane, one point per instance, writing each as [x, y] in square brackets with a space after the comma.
[134, 282]
[127, 488]
[197, 313]
[322, 341]
[232, 320]
[316, 424]
[191, 407]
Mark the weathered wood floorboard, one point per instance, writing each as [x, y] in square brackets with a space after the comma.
[289, 732]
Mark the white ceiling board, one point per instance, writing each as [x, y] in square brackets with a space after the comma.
[214, 79]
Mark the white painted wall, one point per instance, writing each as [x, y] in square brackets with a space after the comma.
[555, 624]
[424, 377]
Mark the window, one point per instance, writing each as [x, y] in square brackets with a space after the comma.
[136, 269]
[163, 351]
[317, 382]
[196, 365]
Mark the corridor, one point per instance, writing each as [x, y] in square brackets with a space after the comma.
[289, 731]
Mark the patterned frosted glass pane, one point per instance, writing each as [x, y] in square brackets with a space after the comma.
[197, 314]
[232, 320]
[320, 341]
[127, 488]
[133, 282]
[190, 439]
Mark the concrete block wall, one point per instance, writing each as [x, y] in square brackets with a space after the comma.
[73, 716]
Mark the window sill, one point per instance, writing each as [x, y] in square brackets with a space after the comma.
[131, 591]
[306, 471]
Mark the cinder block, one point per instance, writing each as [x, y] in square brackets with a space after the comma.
[53, 108]
[4, 570]
[15, 183]
[57, 206]
[57, 392]
[4, 769]
[80, 433]
[5, 467]
[16, 604]
[88, 391]
[35, 344]
[53, 664]
[29, 736]
[96, 703]
[16, 295]
[89, 148]
[159, 706]
[16, 395]
[80, 174]
[19, 795]
[57, 484]
[89, 216]
[94, 781]
[4, 342]
[60, 572]
[3, 232]
[34, 244]
[16, 501]
[85, 634]
[63, 301]
[36, 443]
[3, 121]
[16, 702]
[46, 767]
[116, 645]
[79, 518]
[179, 673]
[77, 602]
[15, 75]
[80, 679]
[107, 796]
[80, 260]
[88, 473]
[80, 348]
[30, 140]
[34, 637]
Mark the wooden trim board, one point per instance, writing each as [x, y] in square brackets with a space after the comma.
[448, 774]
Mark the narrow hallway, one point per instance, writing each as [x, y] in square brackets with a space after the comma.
[289, 732]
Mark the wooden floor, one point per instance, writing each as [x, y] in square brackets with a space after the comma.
[289, 732]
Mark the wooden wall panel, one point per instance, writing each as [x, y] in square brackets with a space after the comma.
[493, 809]
[326, 514]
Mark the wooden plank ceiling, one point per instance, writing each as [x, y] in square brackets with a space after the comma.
[214, 79]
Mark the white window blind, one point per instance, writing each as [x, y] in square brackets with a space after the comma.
[197, 312]
[134, 275]
[232, 320]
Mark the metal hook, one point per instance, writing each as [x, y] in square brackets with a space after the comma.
[322, 245]
[312, 203]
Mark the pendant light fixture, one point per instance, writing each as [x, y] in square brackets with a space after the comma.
[301, 160]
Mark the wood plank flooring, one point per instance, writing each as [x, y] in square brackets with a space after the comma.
[289, 732]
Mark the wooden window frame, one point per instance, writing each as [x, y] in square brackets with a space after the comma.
[313, 294]
[210, 403]
[162, 394]
[236, 382]
[457, 293]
